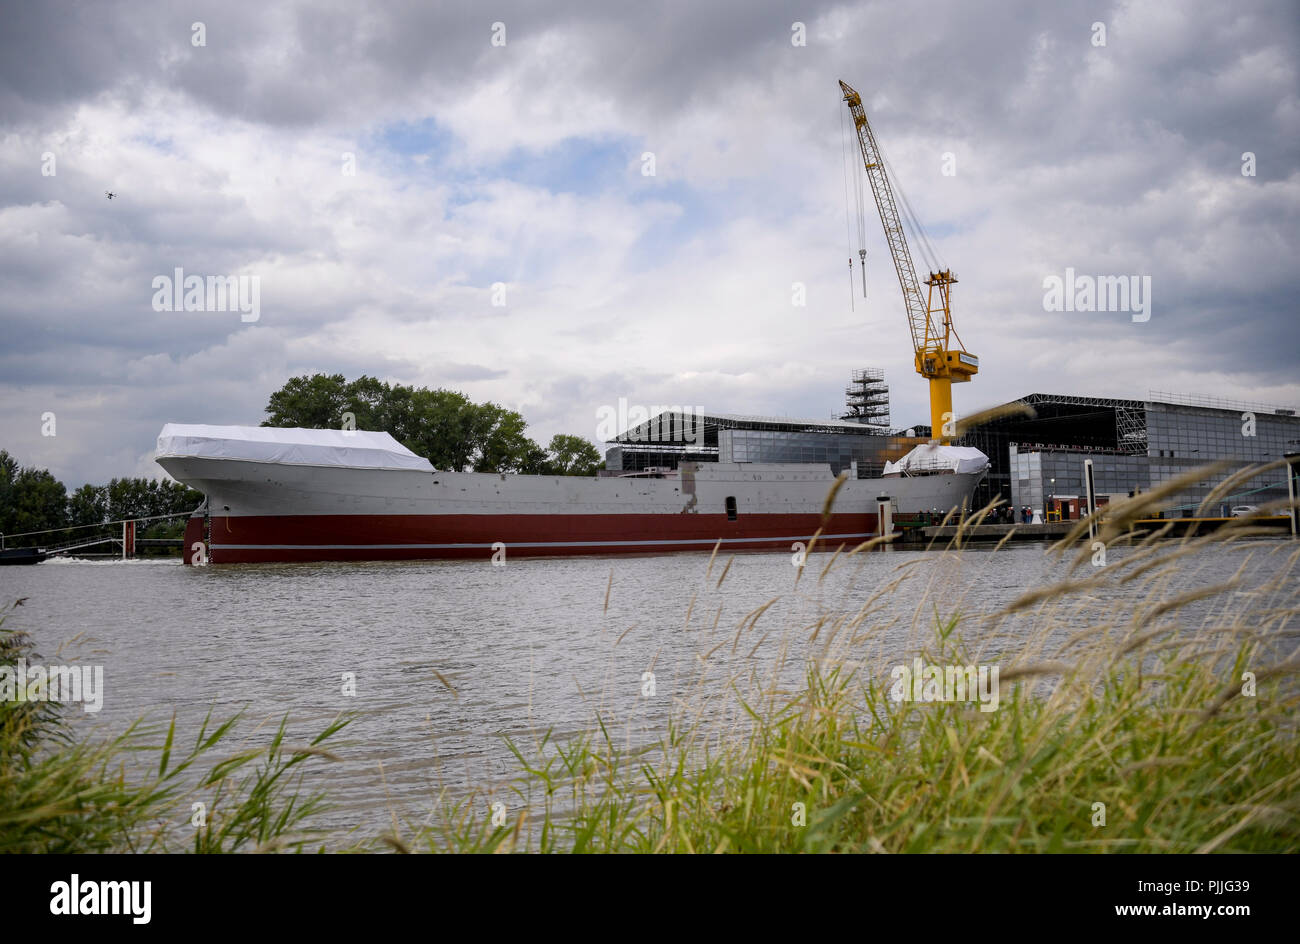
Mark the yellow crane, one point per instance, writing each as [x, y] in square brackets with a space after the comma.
[941, 357]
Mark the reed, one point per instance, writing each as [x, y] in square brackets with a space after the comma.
[1165, 725]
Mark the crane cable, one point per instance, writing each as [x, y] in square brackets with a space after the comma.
[920, 237]
[848, 237]
[859, 188]
[859, 204]
[858, 194]
[909, 218]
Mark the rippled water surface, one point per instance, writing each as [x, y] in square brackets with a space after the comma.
[526, 647]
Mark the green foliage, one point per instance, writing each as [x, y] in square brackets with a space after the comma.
[501, 443]
[31, 499]
[315, 402]
[24, 725]
[88, 505]
[536, 462]
[144, 498]
[445, 427]
[573, 455]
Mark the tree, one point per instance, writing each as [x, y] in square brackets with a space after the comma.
[536, 462]
[440, 425]
[128, 498]
[369, 400]
[320, 401]
[315, 402]
[573, 455]
[31, 499]
[8, 472]
[500, 443]
[174, 498]
[88, 505]
[139, 498]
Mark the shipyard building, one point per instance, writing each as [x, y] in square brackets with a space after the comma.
[859, 440]
[1035, 460]
[1134, 445]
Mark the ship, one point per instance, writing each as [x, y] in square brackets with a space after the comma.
[286, 494]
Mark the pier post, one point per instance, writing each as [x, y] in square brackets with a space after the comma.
[1091, 497]
[885, 515]
[1292, 470]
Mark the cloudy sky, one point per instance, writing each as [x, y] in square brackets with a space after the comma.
[522, 163]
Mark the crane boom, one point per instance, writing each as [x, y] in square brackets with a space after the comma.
[939, 354]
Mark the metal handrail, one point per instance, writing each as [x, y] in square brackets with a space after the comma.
[100, 524]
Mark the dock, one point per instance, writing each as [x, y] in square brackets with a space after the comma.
[1055, 530]
[1048, 531]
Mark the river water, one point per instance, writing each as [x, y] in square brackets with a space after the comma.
[521, 648]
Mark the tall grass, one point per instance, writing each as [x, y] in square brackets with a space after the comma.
[1127, 723]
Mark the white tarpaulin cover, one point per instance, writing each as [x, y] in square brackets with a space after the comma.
[935, 458]
[358, 449]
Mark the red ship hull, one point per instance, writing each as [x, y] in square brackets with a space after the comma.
[261, 539]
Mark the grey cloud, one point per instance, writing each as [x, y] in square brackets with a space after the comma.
[1124, 159]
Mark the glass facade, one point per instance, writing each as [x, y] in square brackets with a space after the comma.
[836, 450]
[1180, 441]
[638, 458]
[1038, 476]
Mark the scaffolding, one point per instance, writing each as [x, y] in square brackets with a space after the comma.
[1061, 422]
[1131, 429]
[867, 398]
